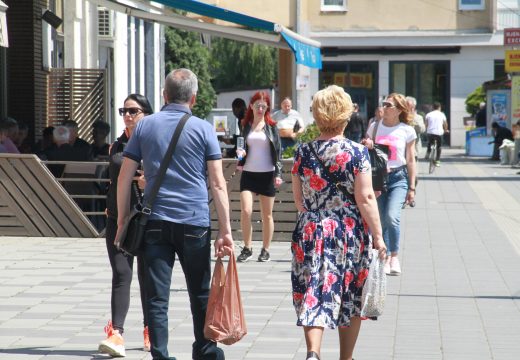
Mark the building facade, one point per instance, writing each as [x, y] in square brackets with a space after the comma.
[82, 68]
[432, 50]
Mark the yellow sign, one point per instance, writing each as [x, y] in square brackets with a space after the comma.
[515, 99]
[512, 61]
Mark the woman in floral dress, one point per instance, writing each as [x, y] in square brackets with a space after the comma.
[333, 236]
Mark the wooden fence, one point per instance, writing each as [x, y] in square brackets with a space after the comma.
[34, 203]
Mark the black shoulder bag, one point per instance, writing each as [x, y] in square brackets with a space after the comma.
[379, 161]
[131, 236]
[339, 186]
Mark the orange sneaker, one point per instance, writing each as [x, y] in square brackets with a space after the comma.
[113, 345]
[146, 335]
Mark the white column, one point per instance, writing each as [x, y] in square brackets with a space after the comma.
[121, 83]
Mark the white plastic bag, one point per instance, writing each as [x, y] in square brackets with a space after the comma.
[374, 291]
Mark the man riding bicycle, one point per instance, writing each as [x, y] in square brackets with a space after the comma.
[436, 126]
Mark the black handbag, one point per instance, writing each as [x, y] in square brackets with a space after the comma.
[379, 162]
[130, 237]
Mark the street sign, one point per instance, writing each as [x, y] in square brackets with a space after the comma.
[512, 36]
[512, 61]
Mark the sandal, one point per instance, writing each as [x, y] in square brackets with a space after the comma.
[311, 355]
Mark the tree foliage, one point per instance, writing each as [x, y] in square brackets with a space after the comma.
[474, 99]
[236, 64]
[310, 133]
[183, 49]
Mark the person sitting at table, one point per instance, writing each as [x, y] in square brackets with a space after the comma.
[289, 123]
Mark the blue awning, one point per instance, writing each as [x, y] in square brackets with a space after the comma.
[216, 12]
[306, 51]
[305, 54]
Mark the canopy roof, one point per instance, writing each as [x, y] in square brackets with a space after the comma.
[306, 51]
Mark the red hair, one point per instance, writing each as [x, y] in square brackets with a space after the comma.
[259, 95]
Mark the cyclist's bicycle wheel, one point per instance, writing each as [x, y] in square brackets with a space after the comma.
[433, 154]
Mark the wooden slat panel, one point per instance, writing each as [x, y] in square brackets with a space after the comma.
[39, 203]
[284, 210]
[71, 211]
[16, 206]
[25, 193]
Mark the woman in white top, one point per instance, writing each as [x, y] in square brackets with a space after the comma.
[261, 162]
[394, 130]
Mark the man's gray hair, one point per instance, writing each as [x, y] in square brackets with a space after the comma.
[411, 100]
[180, 85]
[61, 134]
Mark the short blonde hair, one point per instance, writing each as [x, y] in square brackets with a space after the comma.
[331, 109]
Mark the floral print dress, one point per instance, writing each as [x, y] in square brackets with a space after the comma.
[331, 242]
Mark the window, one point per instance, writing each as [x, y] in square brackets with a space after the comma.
[333, 5]
[472, 4]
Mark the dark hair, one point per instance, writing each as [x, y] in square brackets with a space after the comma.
[142, 101]
[71, 124]
[101, 125]
[259, 95]
[494, 125]
[436, 105]
[48, 131]
[238, 102]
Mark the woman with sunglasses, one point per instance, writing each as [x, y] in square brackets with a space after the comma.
[261, 172]
[135, 108]
[394, 130]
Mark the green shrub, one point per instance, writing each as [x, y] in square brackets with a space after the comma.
[474, 99]
[311, 132]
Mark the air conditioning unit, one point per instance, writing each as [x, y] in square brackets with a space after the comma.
[105, 20]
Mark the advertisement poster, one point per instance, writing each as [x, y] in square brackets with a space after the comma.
[515, 99]
[499, 109]
[220, 124]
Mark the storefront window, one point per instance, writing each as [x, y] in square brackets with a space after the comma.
[427, 81]
[359, 79]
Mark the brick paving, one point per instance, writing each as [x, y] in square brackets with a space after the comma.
[458, 297]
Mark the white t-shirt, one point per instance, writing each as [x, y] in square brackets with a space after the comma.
[287, 121]
[396, 137]
[258, 153]
[435, 120]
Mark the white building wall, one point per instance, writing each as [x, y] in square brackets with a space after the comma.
[469, 69]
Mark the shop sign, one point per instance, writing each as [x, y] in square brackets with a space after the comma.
[512, 61]
[512, 36]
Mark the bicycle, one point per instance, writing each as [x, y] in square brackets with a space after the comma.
[433, 154]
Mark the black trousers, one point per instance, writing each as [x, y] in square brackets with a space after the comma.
[438, 140]
[122, 272]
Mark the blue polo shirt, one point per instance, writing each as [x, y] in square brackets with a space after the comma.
[183, 195]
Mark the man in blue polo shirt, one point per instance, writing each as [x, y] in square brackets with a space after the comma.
[180, 221]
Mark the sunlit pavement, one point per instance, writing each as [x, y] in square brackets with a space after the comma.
[457, 298]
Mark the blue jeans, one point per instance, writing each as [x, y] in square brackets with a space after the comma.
[164, 239]
[390, 206]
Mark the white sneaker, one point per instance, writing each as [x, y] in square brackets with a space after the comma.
[387, 266]
[395, 267]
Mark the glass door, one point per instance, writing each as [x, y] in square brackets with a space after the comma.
[427, 81]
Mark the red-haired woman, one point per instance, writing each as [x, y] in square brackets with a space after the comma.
[261, 173]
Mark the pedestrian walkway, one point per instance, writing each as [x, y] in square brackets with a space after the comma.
[457, 298]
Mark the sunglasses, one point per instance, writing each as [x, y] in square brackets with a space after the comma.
[133, 111]
[387, 104]
[260, 106]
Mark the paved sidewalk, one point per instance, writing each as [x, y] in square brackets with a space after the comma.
[458, 297]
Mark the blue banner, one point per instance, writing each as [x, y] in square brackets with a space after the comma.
[305, 54]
